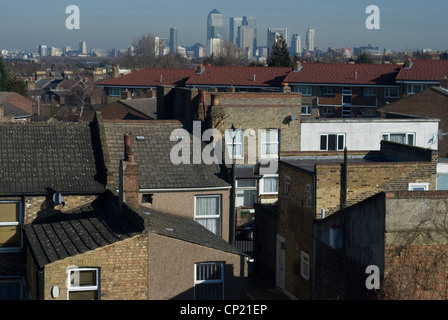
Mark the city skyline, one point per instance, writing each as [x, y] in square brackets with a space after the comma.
[106, 24]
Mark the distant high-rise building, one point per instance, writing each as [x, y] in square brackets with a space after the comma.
[42, 49]
[235, 24]
[246, 36]
[250, 21]
[215, 25]
[273, 33]
[310, 33]
[82, 47]
[215, 46]
[296, 45]
[173, 40]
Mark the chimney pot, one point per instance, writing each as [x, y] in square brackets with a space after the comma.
[128, 154]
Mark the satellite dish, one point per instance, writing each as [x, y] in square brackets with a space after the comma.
[57, 198]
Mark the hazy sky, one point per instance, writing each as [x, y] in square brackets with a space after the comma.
[410, 24]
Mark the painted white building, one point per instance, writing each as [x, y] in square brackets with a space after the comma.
[364, 134]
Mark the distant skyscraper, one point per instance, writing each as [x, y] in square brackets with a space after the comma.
[296, 45]
[252, 23]
[214, 46]
[42, 50]
[235, 23]
[272, 36]
[310, 46]
[82, 47]
[247, 38]
[173, 40]
[215, 25]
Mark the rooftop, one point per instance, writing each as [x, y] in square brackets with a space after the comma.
[424, 70]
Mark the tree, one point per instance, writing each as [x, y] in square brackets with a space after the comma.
[364, 57]
[230, 55]
[4, 76]
[15, 84]
[280, 54]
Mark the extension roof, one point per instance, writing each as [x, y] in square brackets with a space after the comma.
[41, 158]
[350, 74]
[152, 154]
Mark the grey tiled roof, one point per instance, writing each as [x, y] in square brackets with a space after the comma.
[153, 157]
[86, 228]
[41, 158]
[186, 229]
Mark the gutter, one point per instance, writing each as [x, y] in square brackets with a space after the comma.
[185, 189]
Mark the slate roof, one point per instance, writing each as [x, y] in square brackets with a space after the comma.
[424, 70]
[339, 73]
[150, 77]
[83, 229]
[40, 158]
[186, 229]
[148, 106]
[152, 154]
[239, 76]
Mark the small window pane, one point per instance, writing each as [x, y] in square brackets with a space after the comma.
[211, 291]
[9, 212]
[10, 289]
[411, 139]
[209, 271]
[332, 142]
[10, 236]
[83, 295]
[270, 184]
[84, 278]
[340, 142]
[323, 142]
[246, 183]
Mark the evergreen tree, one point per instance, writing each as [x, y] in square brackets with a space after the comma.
[4, 77]
[17, 85]
[280, 54]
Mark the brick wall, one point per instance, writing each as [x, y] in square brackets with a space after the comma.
[123, 270]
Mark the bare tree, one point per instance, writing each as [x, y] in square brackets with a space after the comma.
[80, 91]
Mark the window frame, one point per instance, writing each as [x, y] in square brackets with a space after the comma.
[327, 141]
[369, 92]
[18, 224]
[218, 217]
[262, 192]
[71, 288]
[17, 280]
[111, 89]
[327, 92]
[209, 281]
[307, 110]
[240, 190]
[412, 185]
[304, 265]
[306, 91]
[387, 93]
[262, 142]
[407, 135]
[230, 145]
[410, 88]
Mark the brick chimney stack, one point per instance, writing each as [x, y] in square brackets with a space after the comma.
[129, 172]
[444, 82]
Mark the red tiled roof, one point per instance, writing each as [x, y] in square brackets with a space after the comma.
[338, 73]
[424, 70]
[240, 76]
[151, 77]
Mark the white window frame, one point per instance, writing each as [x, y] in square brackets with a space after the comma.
[306, 110]
[306, 91]
[418, 185]
[262, 143]
[388, 93]
[262, 192]
[411, 88]
[241, 189]
[287, 186]
[408, 135]
[239, 142]
[215, 216]
[14, 223]
[369, 92]
[113, 94]
[213, 281]
[304, 265]
[337, 141]
[72, 288]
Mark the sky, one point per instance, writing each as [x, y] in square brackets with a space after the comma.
[404, 25]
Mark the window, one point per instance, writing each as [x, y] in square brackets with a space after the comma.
[234, 147]
[269, 142]
[369, 93]
[306, 110]
[304, 265]
[246, 192]
[147, 198]
[114, 92]
[347, 95]
[418, 186]
[209, 281]
[405, 138]
[304, 90]
[308, 197]
[11, 289]
[269, 184]
[391, 93]
[332, 142]
[415, 88]
[327, 92]
[327, 110]
[82, 284]
[10, 225]
[287, 187]
[208, 212]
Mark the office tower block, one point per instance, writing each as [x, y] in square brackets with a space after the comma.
[215, 25]
[42, 50]
[235, 24]
[310, 33]
[250, 21]
[272, 37]
[247, 39]
[82, 47]
[173, 40]
[296, 45]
